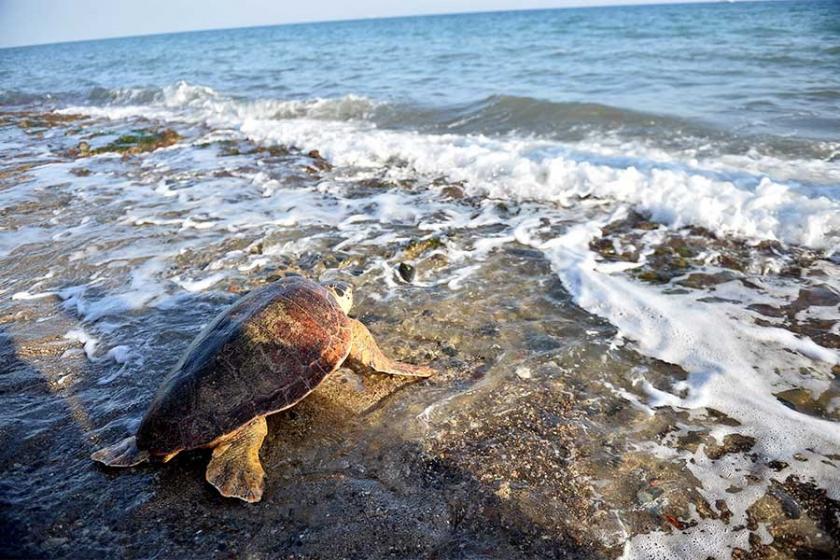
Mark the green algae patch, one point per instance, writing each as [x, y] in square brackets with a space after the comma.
[420, 247]
[229, 148]
[137, 142]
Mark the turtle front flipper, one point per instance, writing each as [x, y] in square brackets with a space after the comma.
[122, 454]
[366, 355]
[235, 469]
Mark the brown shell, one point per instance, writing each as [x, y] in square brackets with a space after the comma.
[262, 355]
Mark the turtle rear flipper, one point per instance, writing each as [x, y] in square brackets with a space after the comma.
[122, 454]
[235, 469]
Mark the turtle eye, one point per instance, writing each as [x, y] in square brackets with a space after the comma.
[339, 290]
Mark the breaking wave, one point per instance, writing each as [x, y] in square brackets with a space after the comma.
[754, 196]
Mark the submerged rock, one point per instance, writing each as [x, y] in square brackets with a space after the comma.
[140, 141]
[817, 296]
[732, 443]
[700, 280]
[420, 247]
[801, 519]
[454, 192]
[32, 121]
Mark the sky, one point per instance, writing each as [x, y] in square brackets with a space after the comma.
[28, 22]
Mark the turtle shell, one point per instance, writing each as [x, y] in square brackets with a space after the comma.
[262, 355]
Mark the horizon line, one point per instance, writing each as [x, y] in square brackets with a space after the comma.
[632, 4]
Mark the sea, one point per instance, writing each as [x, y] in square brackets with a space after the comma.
[640, 203]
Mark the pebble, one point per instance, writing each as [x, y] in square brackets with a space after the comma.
[407, 272]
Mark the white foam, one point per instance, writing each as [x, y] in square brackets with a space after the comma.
[742, 204]
[200, 285]
[731, 362]
[733, 367]
[145, 286]
[26, 295]
[119, 354]
[89, 343]
[535, 170]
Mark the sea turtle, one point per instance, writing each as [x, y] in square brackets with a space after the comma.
[262, 355]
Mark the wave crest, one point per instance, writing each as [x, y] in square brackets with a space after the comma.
[726, 195]
[183, 96]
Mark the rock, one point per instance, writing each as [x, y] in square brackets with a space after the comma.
[434, 262]
[768, 246]
[319, 162]
[732, 443]
[801, 400]
[653, 277]
[731, 262]
[453, 192]
[407, 272]
[603, 246]
[701, 280]
[229, 148]
[634, 221]
[419, 247]
[274, 151]
[523, 372]
[27, 120]
[767, 310]
[777, 465]
[138, 142]
[450, 351]
[81, 150]
[818, 296]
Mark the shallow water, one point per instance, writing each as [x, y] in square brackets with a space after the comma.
[633, 311]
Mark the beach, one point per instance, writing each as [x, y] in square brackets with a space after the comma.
[627, 280]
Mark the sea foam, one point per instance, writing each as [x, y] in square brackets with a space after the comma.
[740, 202]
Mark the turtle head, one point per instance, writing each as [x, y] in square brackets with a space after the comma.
[342, 292]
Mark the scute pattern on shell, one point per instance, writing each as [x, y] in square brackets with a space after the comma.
[265, 353]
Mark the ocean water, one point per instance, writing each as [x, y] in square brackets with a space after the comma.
[663, 180]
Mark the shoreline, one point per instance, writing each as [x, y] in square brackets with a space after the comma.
[547, 432]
